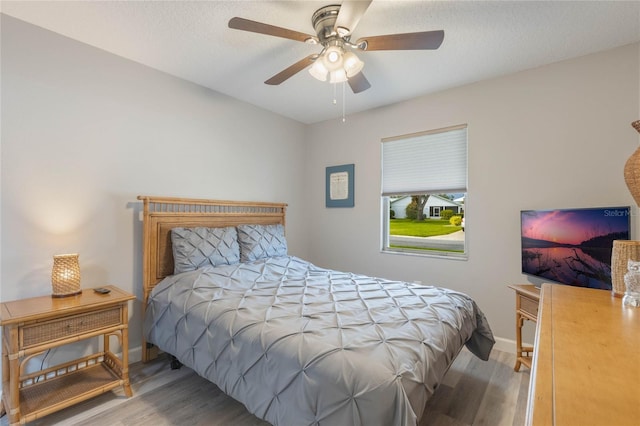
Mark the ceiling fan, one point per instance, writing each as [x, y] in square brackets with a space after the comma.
[334, 25]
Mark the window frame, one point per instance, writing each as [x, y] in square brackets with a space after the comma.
[386, 204]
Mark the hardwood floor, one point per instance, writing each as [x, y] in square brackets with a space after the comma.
[473, 392]
[476, 392]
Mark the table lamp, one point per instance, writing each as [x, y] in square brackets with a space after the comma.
[65, 276]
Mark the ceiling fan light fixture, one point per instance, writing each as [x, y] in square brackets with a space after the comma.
[332, 58]
[338, 76]
[337, 62]
[352, 64]
[318, 70]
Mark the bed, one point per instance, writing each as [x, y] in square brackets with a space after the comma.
[296, 343]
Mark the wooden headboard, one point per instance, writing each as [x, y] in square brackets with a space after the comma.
[162, 213]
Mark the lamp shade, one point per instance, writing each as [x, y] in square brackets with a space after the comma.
[332, 58]
[319, 71]
[352, 64]
[338, 76]
[65, 275]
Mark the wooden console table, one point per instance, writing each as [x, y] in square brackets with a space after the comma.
[527, 301]
[586, 369]
[30, 327]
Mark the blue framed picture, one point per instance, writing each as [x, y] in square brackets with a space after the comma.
[339, 186]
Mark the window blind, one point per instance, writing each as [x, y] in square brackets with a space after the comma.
[425, 163]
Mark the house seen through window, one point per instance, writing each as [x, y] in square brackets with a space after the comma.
[424, 186]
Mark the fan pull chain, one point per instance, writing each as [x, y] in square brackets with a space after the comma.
[344, 120]
[344, 99]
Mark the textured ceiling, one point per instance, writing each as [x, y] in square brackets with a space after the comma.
[483, 39]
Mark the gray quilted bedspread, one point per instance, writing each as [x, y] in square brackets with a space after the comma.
[302, 345]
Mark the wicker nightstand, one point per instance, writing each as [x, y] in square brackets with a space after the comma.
[32, 326]
[527, 301]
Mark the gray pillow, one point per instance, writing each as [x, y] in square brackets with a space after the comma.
[194, 248]
[261, 242]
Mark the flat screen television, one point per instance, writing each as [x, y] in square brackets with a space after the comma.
[573, 246]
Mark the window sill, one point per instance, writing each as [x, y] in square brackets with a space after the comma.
[426, 253]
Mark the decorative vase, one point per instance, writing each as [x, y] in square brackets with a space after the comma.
[623, 251]
[632, 170]
[632, 284]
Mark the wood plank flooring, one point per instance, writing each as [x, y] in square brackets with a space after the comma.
[473, 392]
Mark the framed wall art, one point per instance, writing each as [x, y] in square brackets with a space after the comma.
[339, 187]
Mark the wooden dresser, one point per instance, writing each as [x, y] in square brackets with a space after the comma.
[586, 361]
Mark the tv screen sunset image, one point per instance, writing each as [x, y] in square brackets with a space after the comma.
[572, 246]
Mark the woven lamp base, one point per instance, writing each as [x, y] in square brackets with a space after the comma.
[65, 275]
[623, 251]
[66, 294]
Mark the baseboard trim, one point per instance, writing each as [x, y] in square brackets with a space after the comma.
[505, 345]
[135, 354]
[508, 345]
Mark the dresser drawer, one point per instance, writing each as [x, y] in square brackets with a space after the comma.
[529, 306]
[43, 332]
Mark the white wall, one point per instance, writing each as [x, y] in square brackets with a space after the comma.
[552, 137]
[0, 161]
[84, 132]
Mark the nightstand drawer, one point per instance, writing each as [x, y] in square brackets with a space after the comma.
[43, 332]
[529, 306]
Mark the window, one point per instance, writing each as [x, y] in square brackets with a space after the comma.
[424, 185]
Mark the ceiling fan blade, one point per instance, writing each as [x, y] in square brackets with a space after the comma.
[359, 83]
[409, 41]
[258, 27]
[292, 70]
[349, 16]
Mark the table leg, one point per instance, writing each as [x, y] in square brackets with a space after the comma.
[14, 375]
[519, 323]
[125, 354]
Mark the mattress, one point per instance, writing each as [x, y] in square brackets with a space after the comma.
[298, 344]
